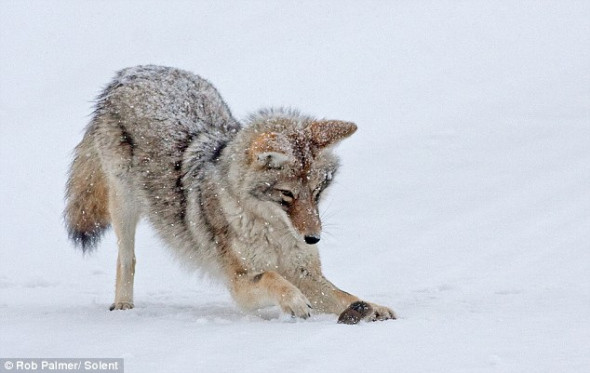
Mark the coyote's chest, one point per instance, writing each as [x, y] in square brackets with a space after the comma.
[262, 246]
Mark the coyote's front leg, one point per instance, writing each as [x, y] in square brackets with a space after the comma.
[269, 289]
[326, 297]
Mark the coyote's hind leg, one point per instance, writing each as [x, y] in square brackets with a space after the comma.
[124, 216]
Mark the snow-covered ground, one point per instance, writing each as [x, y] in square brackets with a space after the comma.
[463, 201]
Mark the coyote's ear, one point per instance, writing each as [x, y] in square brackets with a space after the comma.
[329, 132]
[270, 149]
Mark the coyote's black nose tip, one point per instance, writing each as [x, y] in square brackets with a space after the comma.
[312, 239]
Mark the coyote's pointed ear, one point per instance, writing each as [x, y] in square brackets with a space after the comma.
[329, 132]
[270, 149]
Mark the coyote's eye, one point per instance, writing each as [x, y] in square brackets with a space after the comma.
[286, 196]
[321, 187]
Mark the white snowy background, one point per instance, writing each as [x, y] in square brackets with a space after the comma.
[463, 201]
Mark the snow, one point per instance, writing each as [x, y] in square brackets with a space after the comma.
[463, 200]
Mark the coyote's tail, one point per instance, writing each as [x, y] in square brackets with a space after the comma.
[86, 214]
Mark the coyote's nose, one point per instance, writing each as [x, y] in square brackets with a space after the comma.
[311, 239]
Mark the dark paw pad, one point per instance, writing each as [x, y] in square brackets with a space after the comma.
[355, 313]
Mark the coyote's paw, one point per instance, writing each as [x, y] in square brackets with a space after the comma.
[295, 303]
[380, 313]
[121, 306]
[360, 310]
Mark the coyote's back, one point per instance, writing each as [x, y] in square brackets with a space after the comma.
[143, 122]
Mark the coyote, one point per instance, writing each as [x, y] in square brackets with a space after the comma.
[238, 201]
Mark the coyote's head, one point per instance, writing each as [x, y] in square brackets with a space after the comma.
[289, 165]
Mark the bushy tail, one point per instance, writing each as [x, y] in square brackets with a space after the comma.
[86, 214]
